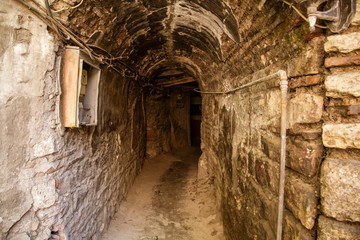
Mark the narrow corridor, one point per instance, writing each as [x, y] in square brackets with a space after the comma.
[168, 202]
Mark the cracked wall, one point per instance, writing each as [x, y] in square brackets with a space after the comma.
[60, 182]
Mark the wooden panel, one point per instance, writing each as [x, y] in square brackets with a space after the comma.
[69, 85]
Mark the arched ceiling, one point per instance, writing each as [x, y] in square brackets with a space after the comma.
[158, 38]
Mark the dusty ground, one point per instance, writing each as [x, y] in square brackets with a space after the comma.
[168, 202]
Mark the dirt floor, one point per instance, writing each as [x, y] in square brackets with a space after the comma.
[168, 202]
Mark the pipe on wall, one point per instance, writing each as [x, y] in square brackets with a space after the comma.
[283, 89]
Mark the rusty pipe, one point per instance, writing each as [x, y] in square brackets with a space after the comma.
[283, 89]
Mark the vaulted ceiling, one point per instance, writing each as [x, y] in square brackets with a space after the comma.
[160, 39]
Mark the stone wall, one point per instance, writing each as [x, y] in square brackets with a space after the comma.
[158, 127]
[168, 120]
[240, 131]
[59, 182]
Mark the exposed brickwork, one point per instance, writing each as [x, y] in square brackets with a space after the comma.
[342, 61]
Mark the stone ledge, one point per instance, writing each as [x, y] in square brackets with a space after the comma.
[343, 43]
[343, 84]
[340, 189]
[341, 135]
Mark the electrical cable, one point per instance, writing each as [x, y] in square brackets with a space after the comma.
[302, 15]
[271, 76]
[59, 32]
[46, 16]
[64, 9]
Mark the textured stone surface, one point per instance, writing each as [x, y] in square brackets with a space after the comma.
[293, 229]
[343, 43]
[304, 108]
[309, 60]
[44, 194]
[332, 229]
[341, 135]
[304, 156]
[301, 200]
[51, 178]
[342, 61]
[305, 81]
[343, 84]
[340, 189]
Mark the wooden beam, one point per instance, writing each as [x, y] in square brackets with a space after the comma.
[174, 82]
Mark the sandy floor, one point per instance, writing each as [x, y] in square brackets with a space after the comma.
[167, 202]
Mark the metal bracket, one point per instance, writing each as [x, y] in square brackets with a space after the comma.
[338, 13]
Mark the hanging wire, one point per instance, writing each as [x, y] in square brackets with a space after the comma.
[67, 35]
[259, 80]
[63, 36]
[302, 15]
[64, 9]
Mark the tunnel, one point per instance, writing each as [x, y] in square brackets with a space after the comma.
[179, 119]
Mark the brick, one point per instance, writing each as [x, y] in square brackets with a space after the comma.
[309, 61]
[354, 109]
[294, 230]
[341, 135]
[342, 61]
[301, 200]
[343, 43]
[305, 81]
[340, 189]
[305, 108]
[343, 84]
[332, 229]
[304, 156]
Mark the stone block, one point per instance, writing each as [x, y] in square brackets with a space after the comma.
[343, 84]
[262, 173]
[44, 194]
[343, 43]
[340, 189]
[305, 81]
[309, 61]
[19, 236]
[301, 200]
[341, 135]
[305, 108]
[304, 156]
[331, 229]
[342, 61]
[293, 229]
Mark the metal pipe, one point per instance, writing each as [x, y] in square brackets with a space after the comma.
[283, 88]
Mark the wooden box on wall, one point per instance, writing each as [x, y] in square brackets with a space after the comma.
[80, 88]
